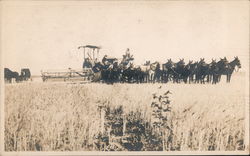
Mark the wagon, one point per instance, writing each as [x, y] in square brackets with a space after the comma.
[91, 54]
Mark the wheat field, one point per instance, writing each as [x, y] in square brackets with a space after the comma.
[65, 117]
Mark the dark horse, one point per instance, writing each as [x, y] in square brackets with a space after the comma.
[9, 75]
[202, 71]
[179, 69]
[231, 67]
[222, 66]
[108, 73]
[128, 74]
[103, 72]
[25, 74]
[188, 72]
[97, 69]
[213, 71]
[192, 70]
[168, 71]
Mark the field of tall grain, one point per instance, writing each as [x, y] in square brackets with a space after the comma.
[65, 117]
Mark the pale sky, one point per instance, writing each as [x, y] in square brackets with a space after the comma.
[45, 35]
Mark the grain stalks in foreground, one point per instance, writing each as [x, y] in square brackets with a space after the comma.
[65, 117]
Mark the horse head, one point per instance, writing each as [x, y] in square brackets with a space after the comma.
[190, 62]
[147, 63]
[222, 64]
[181, 62]
[158, 66]
[202, 61]
[169, 61]
[195, 64]
[237, 62]
[153, 66]
[213, 62]
[169, 64]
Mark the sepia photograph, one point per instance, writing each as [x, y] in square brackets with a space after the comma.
[124, 77]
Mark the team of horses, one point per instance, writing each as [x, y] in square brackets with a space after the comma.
[112, 70]
[192, 72]
[13, 76]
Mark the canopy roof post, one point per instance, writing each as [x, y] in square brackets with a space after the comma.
[84, 53]
[91, 49]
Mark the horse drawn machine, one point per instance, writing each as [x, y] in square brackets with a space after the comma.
[14, 76]
[93, 69]
[91, 56]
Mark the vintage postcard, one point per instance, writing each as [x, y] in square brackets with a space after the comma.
[124, 77]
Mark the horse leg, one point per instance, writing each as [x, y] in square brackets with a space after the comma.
[137, 78]
[216, 78]
[229, 78]
[141, 78]
[203, 79]
[185, 80]
[164, 78]
[196, 78]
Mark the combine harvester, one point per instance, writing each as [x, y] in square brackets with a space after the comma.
[86, 74]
